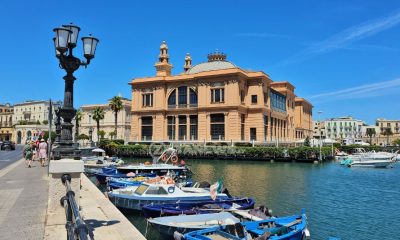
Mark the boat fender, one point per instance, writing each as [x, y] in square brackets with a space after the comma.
[174, 159]
[164, 157]
[171, 189]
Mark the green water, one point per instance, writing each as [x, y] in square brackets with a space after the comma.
[349, 203]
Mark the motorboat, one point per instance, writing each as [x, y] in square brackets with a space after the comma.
[111, 172]
[115, 183]
[95, 158]
[361, 158]
[167, 226]
[192, 208]
[134, 197]
[281, 228]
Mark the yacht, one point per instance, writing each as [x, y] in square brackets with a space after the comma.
[361, 158]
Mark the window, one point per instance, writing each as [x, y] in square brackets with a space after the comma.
[147, 128]
[278, 101]
[254, 99]
[182, 127]
[217, 95]
[172, 99]
[147, 100]
[265, 127]
[141, 189]
[193, 98]
[171, 127]
[242, 126]
[156, 190]
[182, 96]
[265, 97]
[253, 134]
[217, 127]
[193, 127]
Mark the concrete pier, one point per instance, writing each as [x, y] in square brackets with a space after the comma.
[25, 202]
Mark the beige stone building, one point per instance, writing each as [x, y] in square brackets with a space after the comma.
[215, 101]
[6, 122]
[108, 123]
[383, 124]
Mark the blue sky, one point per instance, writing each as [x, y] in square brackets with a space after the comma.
[344, 56]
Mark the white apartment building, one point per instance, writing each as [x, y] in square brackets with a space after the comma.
[339, 128]
[108, 123]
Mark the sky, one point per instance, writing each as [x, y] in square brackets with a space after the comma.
[342, 55]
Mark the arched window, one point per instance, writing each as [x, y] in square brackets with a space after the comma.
[193, 98]
[172, 99]
[182, 95]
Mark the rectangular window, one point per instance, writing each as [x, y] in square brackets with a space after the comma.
[217, 95]
[193, 98]
[171, 127]
[147, 128]
[265, 127]
[182, 127]
[254, 99]
[253, 134]
[217, 127]
[193, 127]
[147, 100]
[182, 96]
[242, 126]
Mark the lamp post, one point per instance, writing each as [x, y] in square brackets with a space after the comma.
[65, 41]
[320, 137]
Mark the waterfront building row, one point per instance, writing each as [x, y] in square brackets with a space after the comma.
[216, 101]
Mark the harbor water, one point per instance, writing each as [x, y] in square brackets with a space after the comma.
[347, 203]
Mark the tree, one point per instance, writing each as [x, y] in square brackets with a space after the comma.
[98, 114]
[83, 137]
[112, 134]
[45, 122]
[78, 118]
[397, 141]
[387, 132]
[46, 136]
[370, 132]
[116, 106]
[307, 142]
[102, 133]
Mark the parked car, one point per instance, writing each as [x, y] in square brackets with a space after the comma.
[7, 145]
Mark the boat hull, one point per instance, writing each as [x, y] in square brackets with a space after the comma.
[372, 164]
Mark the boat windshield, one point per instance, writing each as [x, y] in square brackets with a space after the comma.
[141, 189]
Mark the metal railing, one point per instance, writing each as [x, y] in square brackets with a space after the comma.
[76, 227]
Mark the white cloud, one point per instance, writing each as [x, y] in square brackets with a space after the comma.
[363, 91]
[345, 38]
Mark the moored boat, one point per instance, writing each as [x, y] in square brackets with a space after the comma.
[191, 208]
[282, 228]
[135, 197]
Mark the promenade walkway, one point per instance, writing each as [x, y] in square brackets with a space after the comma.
[23, 204]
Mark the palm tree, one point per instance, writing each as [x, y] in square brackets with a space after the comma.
[370, 132]
[116, 106]
[78, 118]
[98, 114]
[387, 132]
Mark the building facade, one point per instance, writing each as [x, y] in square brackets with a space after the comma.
[339, 128]
[212, 101]
[6, 122]
[303, 119]
[31, 119]
[384, 125]
[108, 123]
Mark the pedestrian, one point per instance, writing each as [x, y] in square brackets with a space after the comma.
[42, 152]
[27, 153]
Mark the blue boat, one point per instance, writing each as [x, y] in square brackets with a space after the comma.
[135, 197]
[282, 228]
[114, 173]
[115, 183]
[191, 208]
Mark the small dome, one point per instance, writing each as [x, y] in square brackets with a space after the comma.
[210, 66]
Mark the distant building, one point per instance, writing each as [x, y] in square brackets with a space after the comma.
[383, 125]
[339, 128]
[215, 101]
[6, 122]
[108, 123]
[30, 119]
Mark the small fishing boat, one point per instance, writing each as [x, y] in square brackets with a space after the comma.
[191, 208]
[188, 223]
[115, 183]
[282, 228]
[109, 172]
[134, 197]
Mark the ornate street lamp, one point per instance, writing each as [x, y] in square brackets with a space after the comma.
[64, 42]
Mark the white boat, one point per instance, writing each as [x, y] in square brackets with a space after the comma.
[360, 158]
[134, 197]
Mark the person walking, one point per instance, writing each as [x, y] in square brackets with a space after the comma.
[42, 152]
[27, 153]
